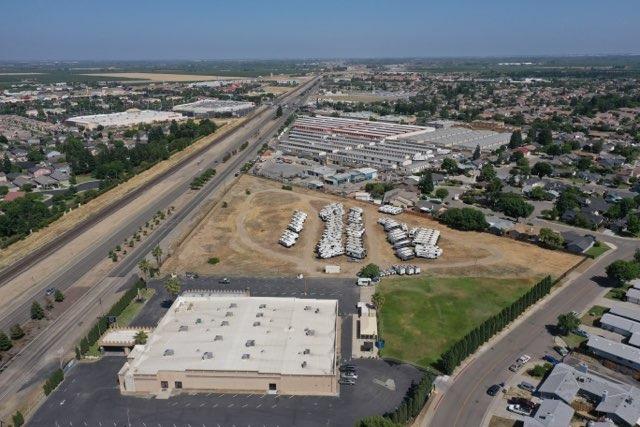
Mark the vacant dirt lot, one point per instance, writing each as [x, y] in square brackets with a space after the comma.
[244, 236]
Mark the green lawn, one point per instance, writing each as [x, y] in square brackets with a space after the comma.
[422, 317]
[593, 315]
[84, 178]
[126, 317]
[598, 249]
[573, 340]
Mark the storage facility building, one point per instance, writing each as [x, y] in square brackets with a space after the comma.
[231, 342]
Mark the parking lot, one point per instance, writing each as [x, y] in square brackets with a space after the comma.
[89, 396]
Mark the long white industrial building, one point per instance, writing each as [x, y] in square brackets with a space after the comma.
[377, 144]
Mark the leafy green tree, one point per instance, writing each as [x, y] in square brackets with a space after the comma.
[466, 219]
[487, 173]
[141, 337]
[542, 169]
[18, 419]
[544, 137]
[516, 140]
[173, 286]
[449, 165]
[550, 238]
[370, 271]
[426, 183]
[539, 193]
[58, 296]
[5, 342]
[157, 254]
[622, 271]
[476, 153]
[279, 111]
[568, 322]
[37, 312]
[442, 193]
[16, 332]
[514, 205]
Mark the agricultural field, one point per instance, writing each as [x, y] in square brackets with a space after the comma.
[423, 316]
[242, 230]
[160, 77]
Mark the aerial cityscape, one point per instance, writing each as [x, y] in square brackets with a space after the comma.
[371, 214]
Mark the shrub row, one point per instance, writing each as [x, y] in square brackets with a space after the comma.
[102, 324]
[54, 380]
[202, 179]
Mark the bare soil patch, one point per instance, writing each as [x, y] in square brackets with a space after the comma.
[245, 233]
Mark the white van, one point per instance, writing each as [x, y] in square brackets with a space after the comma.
[364, 281]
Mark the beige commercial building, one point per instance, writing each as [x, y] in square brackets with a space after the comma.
[232, 342]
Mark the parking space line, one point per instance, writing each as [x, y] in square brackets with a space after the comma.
[258, 406]
[215, 406]
[230, 405]
[245, 405]
[202, 404]
[234, 396]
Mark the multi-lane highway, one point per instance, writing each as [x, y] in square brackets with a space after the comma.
[36, 358]
[465, 401]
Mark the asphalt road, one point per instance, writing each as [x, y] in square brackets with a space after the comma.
[78, 267]
[38, 357]
[465, 401]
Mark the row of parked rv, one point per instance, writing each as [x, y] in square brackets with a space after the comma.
[400, 270]
[290, 236]
[331, 243]
[407, 244]
[355, 234]
[391, 210]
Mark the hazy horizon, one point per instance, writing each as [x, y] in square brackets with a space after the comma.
[37, 30]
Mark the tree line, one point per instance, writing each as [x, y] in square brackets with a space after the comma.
[103, 323]
[413, 402]
[482, 333]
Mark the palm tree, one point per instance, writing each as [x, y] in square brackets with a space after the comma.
[145, 267]
[157, 253]
[173, 286]
[141, 337]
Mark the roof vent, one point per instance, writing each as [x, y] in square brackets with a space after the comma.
[233, 305]
[306, 351]
[304, 364]
[207, 355]
[317, 310]
[250, 343]
[168, 352]
[218, 338]
[260, 314]
[224, 323]
[229, 314]
[198, 320]
[262, 306]
[183, 328]
[307, 307]
[256, 323]
[245, 356]
[310, 332]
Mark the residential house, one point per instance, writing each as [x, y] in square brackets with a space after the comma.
[619, 353]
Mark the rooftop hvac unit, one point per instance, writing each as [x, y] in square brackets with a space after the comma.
[256, 323]
[207, 355]
[245, 356]
[310, 332]
[306, 351]
[250, 343]
[262, 306]
[259, 314]
[304, 364]
[168, 352]
[218, 338]
[224, 323]
[183, 328]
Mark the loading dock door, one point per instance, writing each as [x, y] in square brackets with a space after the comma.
[273, 388]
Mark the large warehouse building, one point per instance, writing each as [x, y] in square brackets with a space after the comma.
[232, 342]
[381, 145]
[124, 119]
[215, 107]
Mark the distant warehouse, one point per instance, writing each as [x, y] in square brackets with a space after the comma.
[384, 146]
[215, 107]
[231, 342]
[127, 118]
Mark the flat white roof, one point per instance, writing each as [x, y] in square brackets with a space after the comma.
[126, 118]
[231, 332]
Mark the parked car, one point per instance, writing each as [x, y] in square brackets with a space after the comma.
[224, 281]
[347, 367]
[523, 402]
[549, 358]
[562, 351]
[50, 291]
[494, 389]
[581, 333]
[517, 409]
[346, 381]
[190, 275]
[349, 375]
[527, 386]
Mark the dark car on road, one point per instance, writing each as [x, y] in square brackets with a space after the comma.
[224, 281]
[494, 389]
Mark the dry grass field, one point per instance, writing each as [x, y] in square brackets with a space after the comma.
[162, 77]
[244, 236]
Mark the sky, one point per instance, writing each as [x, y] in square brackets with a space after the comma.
[283, 29]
